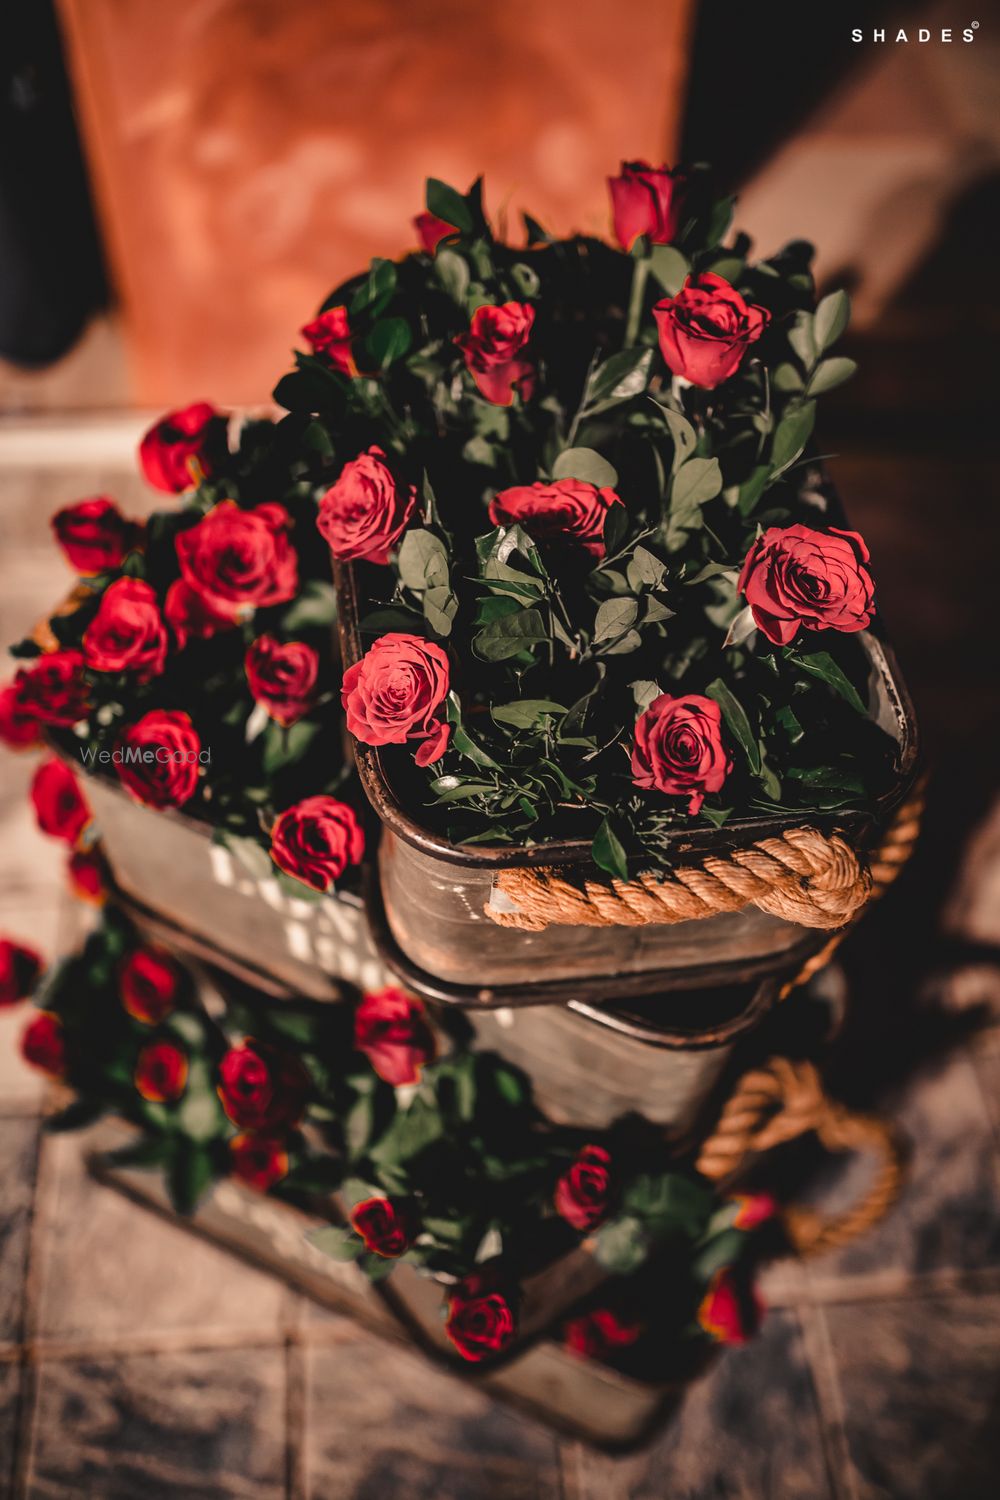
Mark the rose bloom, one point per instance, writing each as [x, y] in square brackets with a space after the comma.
[678, 748]
[480, 1319]
[189, 613]
[87, 876]
[754, 1209]
[183, 448]
[262, 1089]
[366, 512]
[18, 726]
[646, 200]
[315, 840]
[491, 348]
[127, 634]
[329, 336]
[582, 1193]
[794, 576]
[597, 1334]
[149, 982]
[19, 971]
[730, 1310]
[53, 688]
[387, 1227]
[94, 534]
[240, 559]
[61, 809]
[391, 1029]
[43, 1044]
[392, 695]
[567, 510]
[431, 231]
[706, 329]
[281, 676]
[258, 1161]
[161, 1073]
[169, 778]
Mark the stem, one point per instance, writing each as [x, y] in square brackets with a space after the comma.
[639, 278]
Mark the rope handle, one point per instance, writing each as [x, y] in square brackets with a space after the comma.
[780, 1102]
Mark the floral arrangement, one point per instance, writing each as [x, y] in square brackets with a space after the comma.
[605, 589]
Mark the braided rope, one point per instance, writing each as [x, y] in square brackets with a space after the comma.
[784, 1100]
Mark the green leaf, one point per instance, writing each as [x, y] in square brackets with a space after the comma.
[787, 378]
[534, 231]
[585, 464]
[388, 341]
[313, 608]
[452, 270]
[463, 742]
[526, 280]
[736, 722]
[423, 561]
[608, 853]
[619, 378]
[440, 609]
[251, 855]
[719, 220]
[446, 203]
[752, 488]
[791, 435]
[684, 436]
[621, 1245]
[830, 374]
[376, 290]
[510, 634]
[339, 1243]
[190, 1175]
[285, 747]
[669, 267]
[830, 319]
[802, 340]
[527, 712]
[695, 482]
[645, 570]
[822, 665]
[614, 617]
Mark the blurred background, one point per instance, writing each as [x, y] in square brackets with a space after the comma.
[180, 186]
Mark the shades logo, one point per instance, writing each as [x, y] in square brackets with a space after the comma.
[922, 35]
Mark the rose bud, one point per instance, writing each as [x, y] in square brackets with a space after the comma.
[567, 510]
[794, 576]
[491, 347]
[189, 613]
[706, 329]
[18, 726]
[329, 337]
[316, 840]
[392, 695]
[183, 448]
[646, 200]
[87, 876]
[679, 749]
[582, 1193]
[387, 1227]
[43, 1044]
[149, 982]
[61, 809]
[161, 1073]
[754, 1209]
[53, 688]
[431, 231]
[158, 759]
[239, 560]
[262, 1089]
[731, 1310]
[19, 971]
[366, 512]
[281, 676]
[94, 535]
[258, 1161]
[391, 1029]
[480, 1319]
[127, 634]
[597, 1334]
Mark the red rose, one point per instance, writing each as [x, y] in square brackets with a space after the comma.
[94, 534]
[315, 840]
[158, 759]
[431, 231]
[480, 1320]
[53, 689]
[18, 725]
[595, 1335]
[329, 335]
[391, 1029]
[261, 1088]
[281, 676]
[754, 1209]
[239, 559]
[149, 982]
[731, 1310]
[495, 338]
[183, 448]
[161, 1072]
[388, 1228]
[706, 329]
[794, 576]
[366, 512]
[582, 1193]
[646, 200]
[567, 510]
[393, 693]
[61, 809]
[678, 748]
[19, 971]
[189, 613]
[127, 634]
[87, 874]
[258, 1161]
[43, 1044]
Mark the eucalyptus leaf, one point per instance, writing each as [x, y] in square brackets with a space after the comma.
[645, 570]
[614, 617]
[695, 482]
[585, 464]
[423, 561]
[440, 608]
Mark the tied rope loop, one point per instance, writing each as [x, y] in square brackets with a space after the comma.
[780, 1102]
